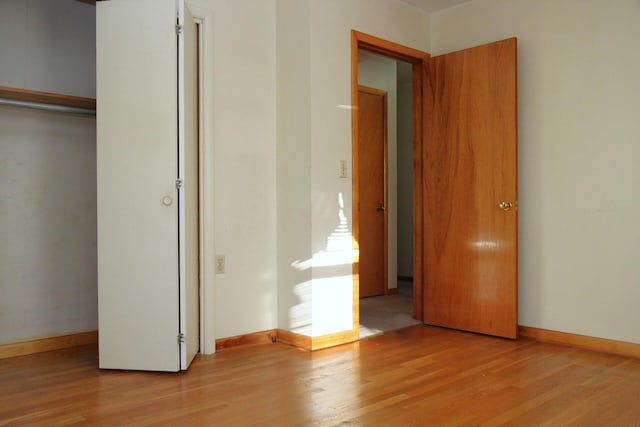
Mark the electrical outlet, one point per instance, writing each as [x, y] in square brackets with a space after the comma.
[219, 264]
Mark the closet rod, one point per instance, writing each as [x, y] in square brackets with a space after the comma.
[47, 107]
[50, 101]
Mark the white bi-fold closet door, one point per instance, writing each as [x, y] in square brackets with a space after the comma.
[147, 168]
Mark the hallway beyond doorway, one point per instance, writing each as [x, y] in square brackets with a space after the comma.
[387, 312]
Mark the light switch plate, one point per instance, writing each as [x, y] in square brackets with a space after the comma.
[343, 168]
[219, 264]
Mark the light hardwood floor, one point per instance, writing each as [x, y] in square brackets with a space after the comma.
[420, 376]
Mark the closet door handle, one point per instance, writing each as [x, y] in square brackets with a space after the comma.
[167, 201]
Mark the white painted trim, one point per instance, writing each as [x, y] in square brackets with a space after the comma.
[182, 249]
[201, 193]
[204, 17]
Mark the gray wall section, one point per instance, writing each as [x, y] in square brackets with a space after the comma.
[47, 173]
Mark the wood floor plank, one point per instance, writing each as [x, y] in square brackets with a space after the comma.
[415, 376]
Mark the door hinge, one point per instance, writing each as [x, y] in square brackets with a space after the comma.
[181, 338]
[179, 183]
[179, 29]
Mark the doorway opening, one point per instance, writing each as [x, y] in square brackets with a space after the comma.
[385, 168]
[396, 70]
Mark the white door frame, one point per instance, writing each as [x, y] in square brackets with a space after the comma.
[204, 18]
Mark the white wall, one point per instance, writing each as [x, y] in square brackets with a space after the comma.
[48, 46]
[290, 221]
[47, 173]
[380, 72]
[579, 97]
[314, 134]
[293, 166]
[241, 93]
[331, 23]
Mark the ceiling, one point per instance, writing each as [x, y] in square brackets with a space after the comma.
[435, 5]
[426, 5]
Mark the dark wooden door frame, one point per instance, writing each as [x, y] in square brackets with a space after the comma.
[418, 59]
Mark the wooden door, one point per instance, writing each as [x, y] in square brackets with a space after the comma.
[189, 193]
[470, 153]
[136, 184]
[372, 146]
